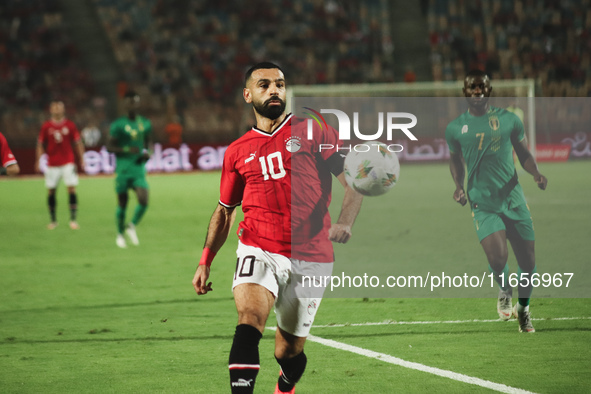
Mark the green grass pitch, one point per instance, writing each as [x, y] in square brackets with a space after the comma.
[79, 315]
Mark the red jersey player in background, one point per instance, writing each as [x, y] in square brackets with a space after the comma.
[8, 164]
[59, 137]
[284, 186]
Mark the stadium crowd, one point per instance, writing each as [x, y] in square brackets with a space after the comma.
[186, 57]
[511, 39]
[197, 51]
[38, 61]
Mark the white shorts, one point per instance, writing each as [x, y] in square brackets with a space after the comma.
[295, 305]
[54, 174]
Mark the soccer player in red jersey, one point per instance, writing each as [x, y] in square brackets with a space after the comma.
[59, 137]
[283, 182]
[8, 164]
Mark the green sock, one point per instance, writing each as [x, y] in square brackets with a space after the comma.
[502, 282]
[525, 292]
[140, 210]
[120, 219]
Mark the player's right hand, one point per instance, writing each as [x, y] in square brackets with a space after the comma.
[460, 196]
[200, 280]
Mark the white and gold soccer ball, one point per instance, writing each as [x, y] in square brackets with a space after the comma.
[372, 169]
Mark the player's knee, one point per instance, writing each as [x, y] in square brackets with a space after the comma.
[252, 318]
[122, 198]
[497, 258]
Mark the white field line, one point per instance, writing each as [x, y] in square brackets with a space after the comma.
[393, 322]
[420, 367]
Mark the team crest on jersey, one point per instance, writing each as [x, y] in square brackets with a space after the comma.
[494, 123]
[65, 130]
[312, 307]
[464, 129]
[293, 144]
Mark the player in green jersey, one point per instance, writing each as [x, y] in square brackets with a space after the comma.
[130, 140]
[484, 138]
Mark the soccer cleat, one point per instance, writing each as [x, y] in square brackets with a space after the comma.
[120, 241]
[74, 225]
[52, 225]
[524, 319]
[277, 391]
[504, 304]
[130, 231]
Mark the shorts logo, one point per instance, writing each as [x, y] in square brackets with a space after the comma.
[293, 144]
[312, 307]
[465, 129]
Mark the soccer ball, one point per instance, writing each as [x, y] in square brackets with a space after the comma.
[374, 172]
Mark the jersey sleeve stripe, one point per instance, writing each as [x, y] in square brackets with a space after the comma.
[229, 205]
[9, 163]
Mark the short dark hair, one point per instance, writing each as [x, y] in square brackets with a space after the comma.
[477, 73]
[130, 94]
[258, 66]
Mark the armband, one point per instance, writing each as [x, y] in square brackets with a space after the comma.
[207, 257]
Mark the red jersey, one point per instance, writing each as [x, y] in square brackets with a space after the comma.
[284, 183]
[58, 138]
[6, 156]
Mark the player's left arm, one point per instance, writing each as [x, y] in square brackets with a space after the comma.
[341, 230]
[8, 164]
[79, 146]
[528, 162]
[148, 144]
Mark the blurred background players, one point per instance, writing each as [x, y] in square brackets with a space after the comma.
[130, 140]
[174, 130]
[8, 164]
[484, 138]
[59, 137]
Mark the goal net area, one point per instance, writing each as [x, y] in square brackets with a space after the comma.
[434, 104]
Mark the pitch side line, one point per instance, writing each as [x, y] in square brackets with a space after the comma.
[502, 388]
[419, 367]
[393, 323]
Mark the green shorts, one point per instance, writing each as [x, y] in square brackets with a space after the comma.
[126, 181]
[515, 221]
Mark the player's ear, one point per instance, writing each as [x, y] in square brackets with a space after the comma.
[247, 96]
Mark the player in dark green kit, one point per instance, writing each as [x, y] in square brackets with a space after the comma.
[484, 138]
[130, 140]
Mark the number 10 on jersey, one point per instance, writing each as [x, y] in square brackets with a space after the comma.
[268, 166]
